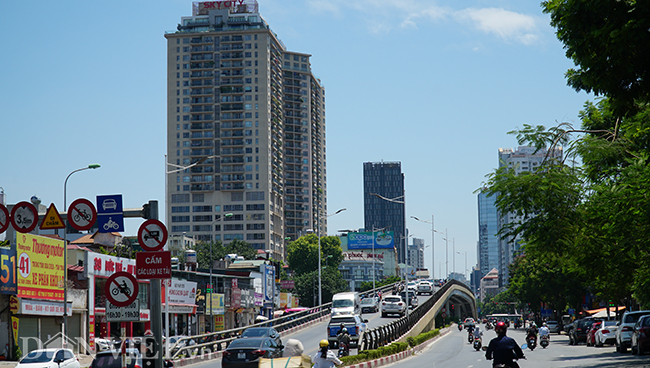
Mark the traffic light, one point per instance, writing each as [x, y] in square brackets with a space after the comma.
[150, 352]
[146, 211]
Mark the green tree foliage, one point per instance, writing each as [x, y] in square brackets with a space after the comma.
[302, 257]
[504, 303]
[367, 285]
[609, 42]
[239, 247]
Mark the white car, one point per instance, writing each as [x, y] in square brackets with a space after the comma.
[625, 329]
[49, 358]
[606, 333]
[425, 287]
[393, 304]
[412, 285]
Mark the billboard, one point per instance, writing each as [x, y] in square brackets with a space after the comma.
[365, 240]
[8, 271]
[40, 267]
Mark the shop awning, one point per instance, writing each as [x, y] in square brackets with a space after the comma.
[602, 312]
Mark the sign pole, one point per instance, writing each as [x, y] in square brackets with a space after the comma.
[156, 306]
[123, 334]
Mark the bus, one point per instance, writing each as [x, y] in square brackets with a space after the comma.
[503, 317]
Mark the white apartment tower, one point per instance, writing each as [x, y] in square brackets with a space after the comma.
[524, 159]
[245, 131]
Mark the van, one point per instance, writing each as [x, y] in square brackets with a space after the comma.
[346, 303]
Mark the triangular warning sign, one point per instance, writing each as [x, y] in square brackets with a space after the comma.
[52, 219]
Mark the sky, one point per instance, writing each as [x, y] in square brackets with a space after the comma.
[433, 84]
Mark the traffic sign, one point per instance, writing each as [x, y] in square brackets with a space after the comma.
[152, 235]
[123, 314]
[121, 289]
[444, 309]
[4, 218]
[82, 214]
[24, 217]
[110, 214]
[153, 265]
[52, 219]
[444, 315]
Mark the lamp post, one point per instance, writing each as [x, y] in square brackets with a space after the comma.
[466, 278]
[320, 286]
[65, 249]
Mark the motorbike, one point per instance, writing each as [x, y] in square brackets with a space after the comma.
[544, 341]
[477, 343]
[532, 342]
[470, 337]
[344, 350]
[488, 326]
[517, 324]
[460, 327]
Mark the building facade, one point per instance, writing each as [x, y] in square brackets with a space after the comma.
[387, 180]
[523, 159]
[245, 131]
[416, 254]
[488, 227]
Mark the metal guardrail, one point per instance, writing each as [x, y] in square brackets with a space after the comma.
[388, 333]
[217, 341]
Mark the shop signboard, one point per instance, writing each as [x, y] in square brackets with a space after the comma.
[42, 308]
[219, 324]
[269, 279]
[105, 265]
[217, 305]
[284, 300]
[181, 292]
[235, 301]
[247, 298]
[8, 271]
[259, 299]
[39, 267]
[365, 240]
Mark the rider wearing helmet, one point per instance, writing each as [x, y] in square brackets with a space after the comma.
[325, 358]
[544, 331]
[532, 332]
[503, 349]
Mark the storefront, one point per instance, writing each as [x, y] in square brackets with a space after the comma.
[179, 307]
[99, 268]
[39, 324]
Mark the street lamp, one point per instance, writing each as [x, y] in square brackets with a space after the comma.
[320, 286]
[466, 278]
[65, 249]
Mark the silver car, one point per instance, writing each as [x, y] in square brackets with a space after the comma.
[606, 333]
[393, 304]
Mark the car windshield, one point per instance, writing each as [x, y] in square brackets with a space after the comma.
[632, 317]
[255, 332]
[342, 303]
[367, 301]
[245, 343]
[38, 356]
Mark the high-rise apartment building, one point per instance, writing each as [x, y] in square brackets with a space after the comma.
[416, 254]
[245, 131]
[488, 227]
[386, 180]
[524, 159]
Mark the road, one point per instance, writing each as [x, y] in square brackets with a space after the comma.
[453, 351]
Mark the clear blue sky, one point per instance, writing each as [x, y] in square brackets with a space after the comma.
[433, 84]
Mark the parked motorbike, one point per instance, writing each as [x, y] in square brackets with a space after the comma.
[544, 341]
[532, 342]
[477, 343]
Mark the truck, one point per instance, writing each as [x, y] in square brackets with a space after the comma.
[422, 273]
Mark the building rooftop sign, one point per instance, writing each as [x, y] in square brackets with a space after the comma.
[235, 6]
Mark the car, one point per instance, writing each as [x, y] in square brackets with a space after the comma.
[553, 326]
[626, 328]
[412, 299]
[246, 352]
[641, 335]
[412, 285]
[355, 325]
[393, 304]
[606, 334]
[579, 330]
[262, 332]
[591, 333]
[103, 344]
[49, 358]
[425, 287]
[369, 304]
[113, 359]
[469, 322]
[109, 204]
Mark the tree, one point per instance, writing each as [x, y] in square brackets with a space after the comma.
[609, 42]
[237, 246]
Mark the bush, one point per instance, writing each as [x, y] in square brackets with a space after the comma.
[393, 348]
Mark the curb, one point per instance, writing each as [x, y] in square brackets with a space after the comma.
[401, 355]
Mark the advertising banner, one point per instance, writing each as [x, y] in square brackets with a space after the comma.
[181, 292]
[217, 304]
[8, 271]
[269, 280]
[40, 267]
[219, 324]
[364, 240]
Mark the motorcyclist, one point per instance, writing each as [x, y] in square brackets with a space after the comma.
[544, 331]
[477, 332]
[343, 339]
[325, 358]
[503, 349]
[532, 332]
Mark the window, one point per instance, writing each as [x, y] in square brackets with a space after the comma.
[180, 218]
[255, 196]
[180, 198]
[232, 208]
[180, 209]
[197, 198]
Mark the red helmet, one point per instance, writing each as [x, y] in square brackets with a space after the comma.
[500, 328]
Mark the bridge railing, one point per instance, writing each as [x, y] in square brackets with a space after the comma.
[217, 341]
[393, 331]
